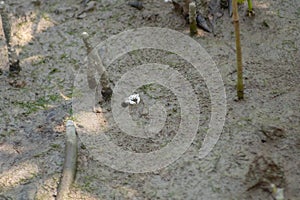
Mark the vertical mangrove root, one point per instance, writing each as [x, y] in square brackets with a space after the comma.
[95, 65]
[69, 168]
[192, 18]
[240, 85]
[250, 10]
[14, 63]
[85, 38]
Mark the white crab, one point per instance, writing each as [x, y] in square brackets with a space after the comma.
[133, 99]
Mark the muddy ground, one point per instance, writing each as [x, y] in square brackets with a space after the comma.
[260, 143]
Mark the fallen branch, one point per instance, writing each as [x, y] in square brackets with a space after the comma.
[69, 168]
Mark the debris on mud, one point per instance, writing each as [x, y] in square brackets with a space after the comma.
[201, 22]
[264, 173]
[136, 4]
[17, 83]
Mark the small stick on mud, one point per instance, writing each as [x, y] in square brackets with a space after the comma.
[192, 18]
[69, 168]
[240, 85]
[14, 63]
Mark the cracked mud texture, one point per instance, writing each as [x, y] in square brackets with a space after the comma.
[260, 143]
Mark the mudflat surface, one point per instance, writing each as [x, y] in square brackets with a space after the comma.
[260, 142]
